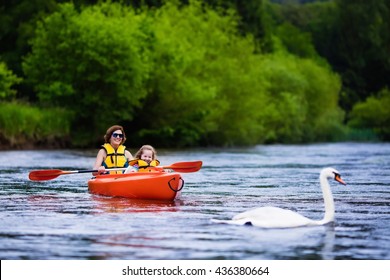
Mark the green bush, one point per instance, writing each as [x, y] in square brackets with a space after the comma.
[373, 114]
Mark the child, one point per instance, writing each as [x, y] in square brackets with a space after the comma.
[144, 158]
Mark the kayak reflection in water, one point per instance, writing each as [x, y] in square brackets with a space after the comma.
[144, 158]
[113, 153]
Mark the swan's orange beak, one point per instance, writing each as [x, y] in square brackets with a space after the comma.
[338, 179]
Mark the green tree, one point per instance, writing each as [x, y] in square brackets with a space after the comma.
[363, 54]
[210, 87]
[179, 75]
[93, 63]
[18, 20]
[353, 36]
[253, 19]
[302, 103]
[296, 41]
[203, 88]
[7, 80]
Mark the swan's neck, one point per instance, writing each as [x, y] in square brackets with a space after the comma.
[328, 200]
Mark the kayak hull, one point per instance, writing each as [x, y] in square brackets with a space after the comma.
[138, 185]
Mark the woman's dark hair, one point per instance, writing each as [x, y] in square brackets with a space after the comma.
[109, 132]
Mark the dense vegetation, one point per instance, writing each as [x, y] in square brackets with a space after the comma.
[190, 73]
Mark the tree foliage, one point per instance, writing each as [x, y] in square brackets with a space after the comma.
[178, 75]
[7, 80]
[209, 86]
[202, 77]
[363, 47]
[302, 104]
[17, 24]
[354, 38]
[186, 73]
[91, 63]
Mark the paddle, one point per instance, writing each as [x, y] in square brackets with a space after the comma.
[49, 174]
[184, 167]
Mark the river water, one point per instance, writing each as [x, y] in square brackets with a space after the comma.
[60, 219]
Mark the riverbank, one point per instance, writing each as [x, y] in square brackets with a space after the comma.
[21, 143]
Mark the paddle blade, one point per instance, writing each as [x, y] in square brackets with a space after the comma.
[49, 174]
[185, 166]
[44, 175]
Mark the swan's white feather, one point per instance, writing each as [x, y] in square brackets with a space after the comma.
[274, 217]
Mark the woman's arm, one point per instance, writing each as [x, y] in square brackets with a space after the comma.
[99, 160]
[128, 155]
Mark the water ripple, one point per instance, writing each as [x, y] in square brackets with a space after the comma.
[59, 219]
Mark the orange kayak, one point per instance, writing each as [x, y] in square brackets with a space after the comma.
[158, 185]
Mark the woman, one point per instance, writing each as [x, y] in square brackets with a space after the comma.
[113, 153]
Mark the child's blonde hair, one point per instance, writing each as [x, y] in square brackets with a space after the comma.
[143, 148]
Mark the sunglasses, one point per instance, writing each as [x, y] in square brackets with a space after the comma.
[116, 135]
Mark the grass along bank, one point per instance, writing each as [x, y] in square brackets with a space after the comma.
[23, 126]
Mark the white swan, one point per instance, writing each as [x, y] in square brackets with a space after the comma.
[274, 217]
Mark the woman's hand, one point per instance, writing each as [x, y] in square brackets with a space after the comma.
[100, 170]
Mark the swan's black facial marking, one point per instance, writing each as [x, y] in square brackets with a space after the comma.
[248, 224]
[337, 177]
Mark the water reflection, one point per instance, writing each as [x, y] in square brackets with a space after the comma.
[124, 205]
[45, 202]
[316, 242]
